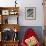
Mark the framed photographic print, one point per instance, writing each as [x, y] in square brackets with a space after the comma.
[30, 13]
[5, 12]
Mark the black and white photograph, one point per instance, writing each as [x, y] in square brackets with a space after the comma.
[30, 13]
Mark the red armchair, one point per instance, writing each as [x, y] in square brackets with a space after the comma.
[29, 36]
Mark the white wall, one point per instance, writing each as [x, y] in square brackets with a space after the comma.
[7, 3]
[27, 3]
[39, 12]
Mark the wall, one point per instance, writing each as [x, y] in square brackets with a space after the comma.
[27, 3]
[39, 13]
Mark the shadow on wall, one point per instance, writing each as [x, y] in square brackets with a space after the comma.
[37, 29]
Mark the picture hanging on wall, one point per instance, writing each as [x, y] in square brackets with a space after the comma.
[30, 13]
